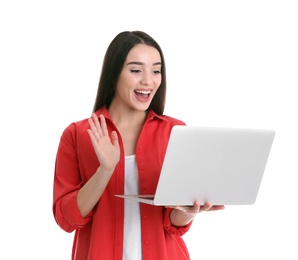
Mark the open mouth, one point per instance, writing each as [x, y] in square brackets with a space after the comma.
[142, 93]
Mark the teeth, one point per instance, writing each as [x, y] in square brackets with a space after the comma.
[144, 92]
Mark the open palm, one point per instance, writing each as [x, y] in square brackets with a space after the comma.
[106, 148]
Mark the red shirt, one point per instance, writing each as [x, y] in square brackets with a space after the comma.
[100, 234]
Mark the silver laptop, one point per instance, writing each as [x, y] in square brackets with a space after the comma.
[223, 166]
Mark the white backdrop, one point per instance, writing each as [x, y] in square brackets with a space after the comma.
[229, 63]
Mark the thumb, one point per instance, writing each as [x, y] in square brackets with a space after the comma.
[114, 139]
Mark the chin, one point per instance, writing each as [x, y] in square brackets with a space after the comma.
[143, 108]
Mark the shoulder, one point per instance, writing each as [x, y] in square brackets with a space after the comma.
[80, 127]
[77, 126]
[172, 120]
[75, 130]
[165, 119]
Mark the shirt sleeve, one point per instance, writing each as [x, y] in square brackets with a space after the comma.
[67, 214]
[177, 231]
[67, 183]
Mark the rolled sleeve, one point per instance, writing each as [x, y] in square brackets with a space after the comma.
[177, 231]
[67, 213]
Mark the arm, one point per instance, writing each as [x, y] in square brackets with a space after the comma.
[108, 153]
[70, 209]
[91, 192]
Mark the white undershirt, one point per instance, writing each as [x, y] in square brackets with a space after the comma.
[132, 247]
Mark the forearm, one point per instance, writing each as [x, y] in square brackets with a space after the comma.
[180, 219]
[91, 192]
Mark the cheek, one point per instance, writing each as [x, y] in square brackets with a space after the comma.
[158, 82]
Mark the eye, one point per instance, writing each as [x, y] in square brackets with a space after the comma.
[157, 72]
[135, 71]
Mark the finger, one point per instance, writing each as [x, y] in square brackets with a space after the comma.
[93, 129]
[92, 126]
[217, 207]
[197, 206]
[114, 138]
[207, 206]
[92, 137]
[99, 132]
[103, 125]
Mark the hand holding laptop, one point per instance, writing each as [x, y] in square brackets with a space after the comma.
[182, 215]
[197, 207]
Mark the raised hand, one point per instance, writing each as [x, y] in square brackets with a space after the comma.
[106, 148]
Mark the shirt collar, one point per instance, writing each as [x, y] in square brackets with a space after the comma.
[151, 114]
[103, 111]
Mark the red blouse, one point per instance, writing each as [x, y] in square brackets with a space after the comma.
[100, 234]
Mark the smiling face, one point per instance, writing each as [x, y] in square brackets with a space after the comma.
[139, 79]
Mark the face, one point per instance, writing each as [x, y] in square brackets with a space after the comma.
[139, 79]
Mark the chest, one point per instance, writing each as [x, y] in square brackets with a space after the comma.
[130, 137]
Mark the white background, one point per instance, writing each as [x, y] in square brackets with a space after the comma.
[229, 63]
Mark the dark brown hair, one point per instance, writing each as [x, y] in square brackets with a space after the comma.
[112, 65]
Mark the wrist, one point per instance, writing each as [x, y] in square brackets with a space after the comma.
[179, 218]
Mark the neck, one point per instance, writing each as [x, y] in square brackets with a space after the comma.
[125, 117]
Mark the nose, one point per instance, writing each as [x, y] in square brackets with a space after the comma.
[147, 78]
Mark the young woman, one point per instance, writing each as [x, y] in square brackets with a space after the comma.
[120, 149]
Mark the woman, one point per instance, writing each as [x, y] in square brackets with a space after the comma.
[120, 149]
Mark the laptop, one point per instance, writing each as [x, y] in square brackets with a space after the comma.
[220, 165]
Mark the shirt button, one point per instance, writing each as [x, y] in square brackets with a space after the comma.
[145, 217]
[146, 242]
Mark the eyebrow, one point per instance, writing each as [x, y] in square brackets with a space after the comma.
[142, 63]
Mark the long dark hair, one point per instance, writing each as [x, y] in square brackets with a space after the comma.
[112, 65]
